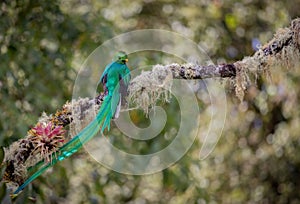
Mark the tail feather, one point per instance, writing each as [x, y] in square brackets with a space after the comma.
[113, 112]
[87, 133]
[102, 119]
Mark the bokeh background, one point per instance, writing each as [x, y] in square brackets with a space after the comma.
[257, 160]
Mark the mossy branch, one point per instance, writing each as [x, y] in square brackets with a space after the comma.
[145, 90]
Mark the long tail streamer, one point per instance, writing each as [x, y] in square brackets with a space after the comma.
[102, 118]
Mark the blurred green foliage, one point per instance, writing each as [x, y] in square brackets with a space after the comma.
[43, 44]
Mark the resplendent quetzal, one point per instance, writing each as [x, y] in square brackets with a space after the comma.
[115, 80]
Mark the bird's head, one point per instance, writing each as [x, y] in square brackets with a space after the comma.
[121, 57]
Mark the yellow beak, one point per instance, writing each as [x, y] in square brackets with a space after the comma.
[126, 60]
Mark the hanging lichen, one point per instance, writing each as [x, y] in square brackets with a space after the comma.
[150, 86]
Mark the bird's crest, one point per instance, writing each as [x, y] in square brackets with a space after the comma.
[121, 57]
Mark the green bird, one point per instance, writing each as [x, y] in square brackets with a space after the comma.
[115, 80]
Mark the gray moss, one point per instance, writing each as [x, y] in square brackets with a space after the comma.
[150, 86]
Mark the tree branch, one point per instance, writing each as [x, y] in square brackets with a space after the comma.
[144, 90]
